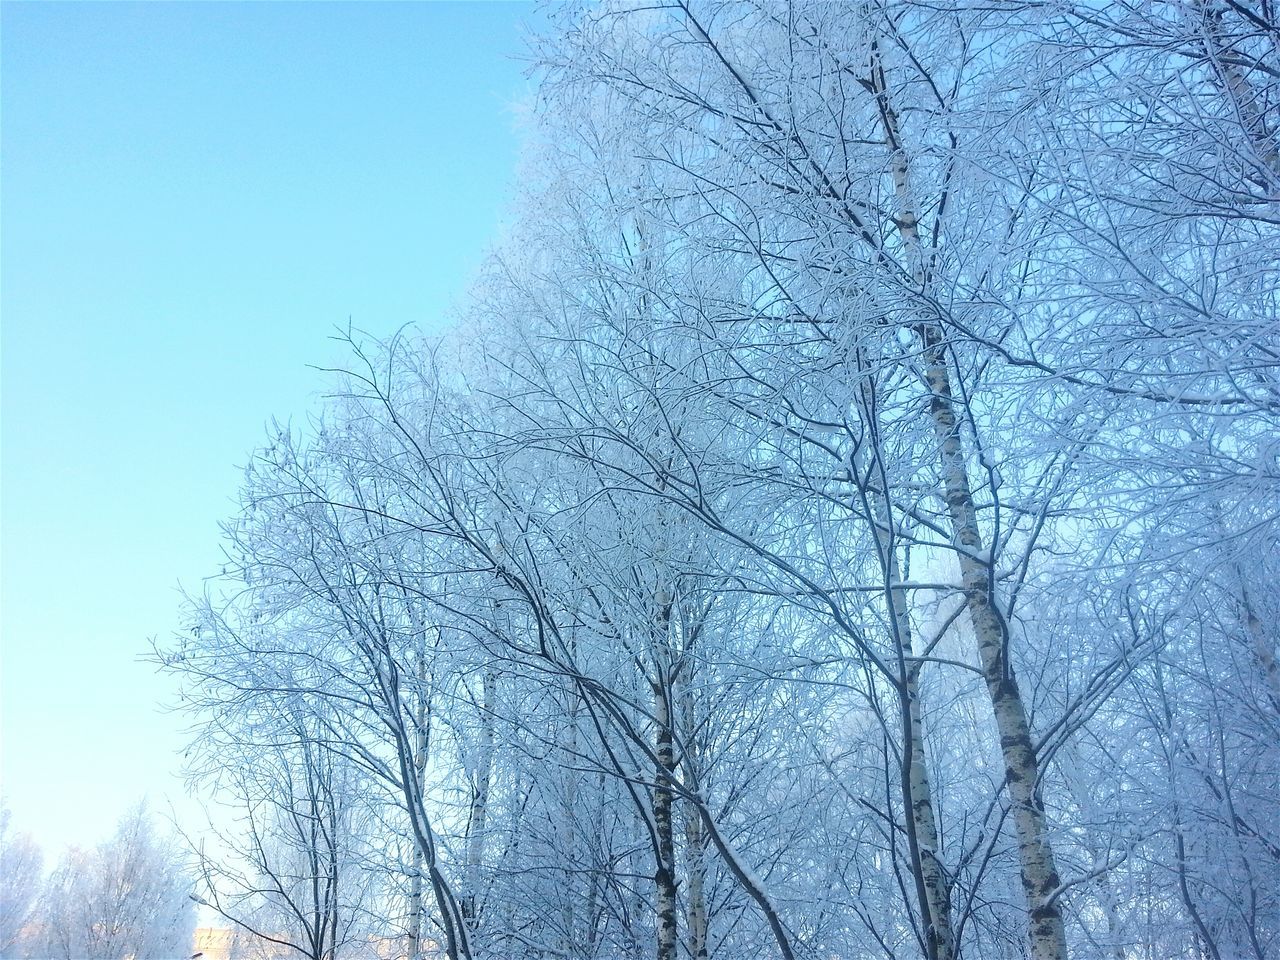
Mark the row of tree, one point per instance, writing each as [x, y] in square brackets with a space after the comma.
[844, 525]
[127, 897]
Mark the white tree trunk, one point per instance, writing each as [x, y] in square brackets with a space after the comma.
[1262, 646]
[664, 867]
[694, 835]
[1040, 879]
[476, 831]
[422, 743]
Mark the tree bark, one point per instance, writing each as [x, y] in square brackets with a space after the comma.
[694, 835]
[1262, 646]
[479, 803]
[933, 891]
[422, 741]
[664, 868]
[1040, 879]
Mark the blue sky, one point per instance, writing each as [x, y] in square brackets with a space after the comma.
[194, 197]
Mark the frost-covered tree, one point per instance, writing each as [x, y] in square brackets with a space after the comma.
[129, 896]
[20, 874]
[843, 524]
[291, 867]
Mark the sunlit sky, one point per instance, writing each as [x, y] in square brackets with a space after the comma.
[194, 197]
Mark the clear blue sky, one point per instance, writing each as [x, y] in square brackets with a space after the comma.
[194, 196]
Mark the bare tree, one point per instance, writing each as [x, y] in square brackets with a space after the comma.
[289, 870]
[843, 525]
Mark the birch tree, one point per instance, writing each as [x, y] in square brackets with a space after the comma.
[129, 896]
[842, 524]
[20, 875]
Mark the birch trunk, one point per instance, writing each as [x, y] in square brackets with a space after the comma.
[696, 856]
[933, 891]
[1235, 85]
[940, 940]
[456, 932]
[694, 835]
[664, 872]
[566, 838]
[1262, 647]
[421, 744]
[1040, 879]
[480, 803]
[592, 910]
[414, 951]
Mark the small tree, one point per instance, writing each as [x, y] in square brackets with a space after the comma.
[289, 873]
